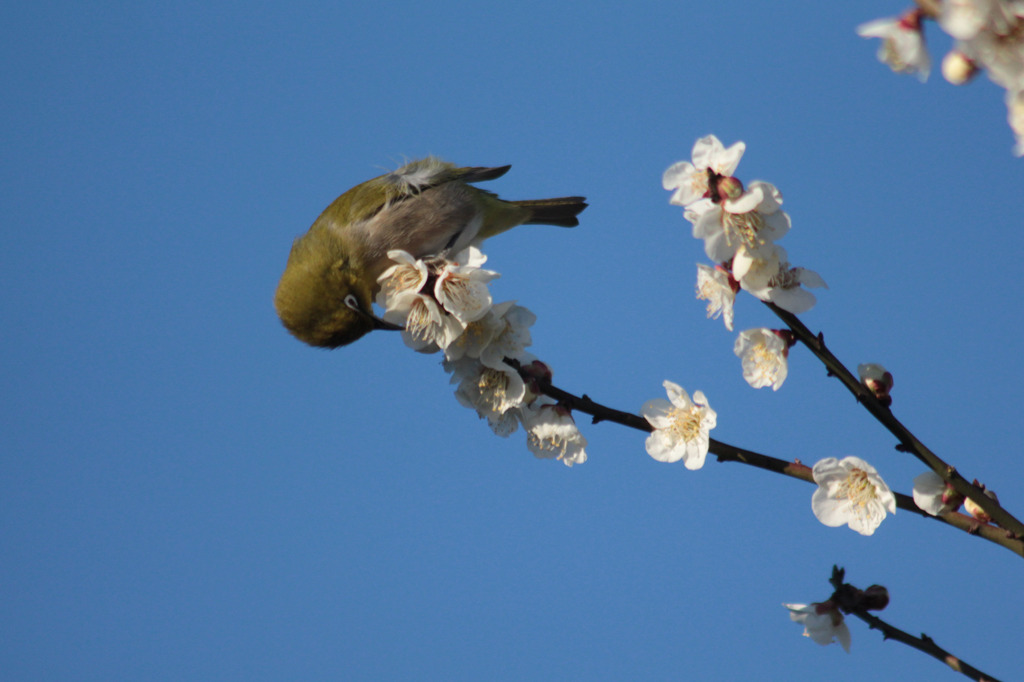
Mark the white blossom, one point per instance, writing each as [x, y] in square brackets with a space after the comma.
[495, 393]
[902, 47]
[689, 180]
[511, 337]
[478, 334]
[823, 623]
[551, 432]
[752, 219]
[426, 327]
[408, 274]
[766, 274]
[964, 19]
[763, 354]
[850, 492]
[1001, 55]
[934, 495]
[461, 286]
[715, 285]
[681, 426]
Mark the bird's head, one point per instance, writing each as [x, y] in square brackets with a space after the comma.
[323, 299]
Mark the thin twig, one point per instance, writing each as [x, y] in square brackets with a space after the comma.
[908, 442]
[730, 453]
[855, 606]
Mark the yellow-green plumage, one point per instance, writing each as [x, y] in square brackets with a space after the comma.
[427, 207]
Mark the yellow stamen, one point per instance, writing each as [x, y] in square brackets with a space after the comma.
[685, 423]
[857, 488]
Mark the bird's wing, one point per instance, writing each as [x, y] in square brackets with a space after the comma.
[417, 176]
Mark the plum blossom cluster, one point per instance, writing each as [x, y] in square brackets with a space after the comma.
[444, 304]
[988, 36]
[739, 226]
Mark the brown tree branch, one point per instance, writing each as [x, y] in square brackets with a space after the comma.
[907, 441]
[730, 453]
[847, 598]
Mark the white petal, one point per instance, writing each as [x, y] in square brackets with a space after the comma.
[656, 412]
[827, 510]
[661, 447]
[928, 490]
[677, 174]
[809, 278]
[793, 299]
[843, 635]
[677, 395]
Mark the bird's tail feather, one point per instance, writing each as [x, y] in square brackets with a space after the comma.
[561, 211]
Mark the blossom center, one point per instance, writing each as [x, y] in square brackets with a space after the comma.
[493, 387]
[894, 58]
[743, 226]
[765, 360]
[420, 323]
[857, 488]
[552, 442]
[685, 423]
[407, 277]
[708, 290]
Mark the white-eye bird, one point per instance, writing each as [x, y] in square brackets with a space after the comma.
[427, 207]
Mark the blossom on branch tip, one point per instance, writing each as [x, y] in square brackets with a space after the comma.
[823, 623]
[716, 286]
[850, 492]
[902, 48]
[688, 181]
[934, 495]
[681, 426]
[763, 353]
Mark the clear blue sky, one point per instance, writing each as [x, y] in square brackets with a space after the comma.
[188, 493]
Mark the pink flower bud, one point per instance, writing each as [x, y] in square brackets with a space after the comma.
[951, 499]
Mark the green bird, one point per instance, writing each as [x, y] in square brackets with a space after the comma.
[427, 207]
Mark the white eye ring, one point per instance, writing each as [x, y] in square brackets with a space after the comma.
[352, 303]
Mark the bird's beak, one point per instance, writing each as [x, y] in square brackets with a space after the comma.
[382, 324]
[353, 303]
